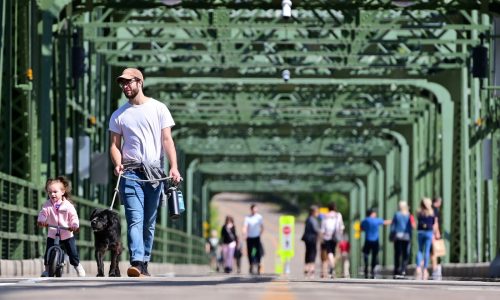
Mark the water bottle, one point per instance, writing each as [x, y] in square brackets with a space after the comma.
[173, 203]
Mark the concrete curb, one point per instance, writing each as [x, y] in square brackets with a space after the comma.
[34, 267]
[451, 270]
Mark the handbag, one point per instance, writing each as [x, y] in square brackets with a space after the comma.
[438, 248]
[392, 235]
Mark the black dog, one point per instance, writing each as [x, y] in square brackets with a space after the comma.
[107, 232]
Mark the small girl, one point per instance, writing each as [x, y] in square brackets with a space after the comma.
[58, 210]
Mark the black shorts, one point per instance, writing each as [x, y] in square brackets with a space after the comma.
[329, 246]
[311, 251]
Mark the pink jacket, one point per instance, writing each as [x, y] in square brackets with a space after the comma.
[65, 216]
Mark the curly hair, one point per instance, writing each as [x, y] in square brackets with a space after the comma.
[66, 186]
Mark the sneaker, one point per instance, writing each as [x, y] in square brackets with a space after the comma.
[145, 269]
[135, 270]
[425, 275]
[418, 274]
[80, 271]
[437, 274]
[45, 274]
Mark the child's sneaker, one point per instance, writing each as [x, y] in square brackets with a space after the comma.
[80, 271]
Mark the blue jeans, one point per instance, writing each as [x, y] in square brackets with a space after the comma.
[141, 202]
[424, 247]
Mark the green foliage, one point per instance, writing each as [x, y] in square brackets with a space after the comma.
[214, 217]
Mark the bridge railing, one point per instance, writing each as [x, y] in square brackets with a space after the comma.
[21, 238]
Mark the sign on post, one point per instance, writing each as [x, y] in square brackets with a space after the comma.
[287, 236]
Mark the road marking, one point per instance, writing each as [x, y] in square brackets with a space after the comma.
[278, 290]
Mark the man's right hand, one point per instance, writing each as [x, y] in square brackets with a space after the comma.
[118, 170]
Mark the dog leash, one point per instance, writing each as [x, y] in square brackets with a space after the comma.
[116, 191]
[136, 179]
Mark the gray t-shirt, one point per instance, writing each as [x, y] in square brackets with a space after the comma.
[141, 126]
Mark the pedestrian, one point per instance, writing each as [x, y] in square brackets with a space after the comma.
[345, 247]
[370, 225]
[332, 227]
[310, 238]
[253, 228]
[427, 231]
[58, 210]
[437, 273]
[140, 131]
[229, 240]
[400, 234]
[211, 248]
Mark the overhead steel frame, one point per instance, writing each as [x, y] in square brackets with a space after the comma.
[446, 108]
[455, 4]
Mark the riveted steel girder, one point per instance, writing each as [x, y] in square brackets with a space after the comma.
[276, 185]
[322, 169]
[225, 41]
[445, 5]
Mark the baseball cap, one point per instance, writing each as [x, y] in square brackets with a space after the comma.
[130, 73]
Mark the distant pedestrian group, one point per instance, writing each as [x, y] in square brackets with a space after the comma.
[225, 251]
[328, 233]
[327, 230]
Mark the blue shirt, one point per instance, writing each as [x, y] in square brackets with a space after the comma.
[370, 227]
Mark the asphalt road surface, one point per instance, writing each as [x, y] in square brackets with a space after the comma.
[231, 287]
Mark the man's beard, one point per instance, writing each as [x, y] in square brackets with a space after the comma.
[133, 93]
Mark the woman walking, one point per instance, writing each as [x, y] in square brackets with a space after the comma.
[401, 229]
[229, 242]
[310, 238]
[427, 228]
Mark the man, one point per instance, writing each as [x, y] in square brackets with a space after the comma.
[252, 230]
[370, 225]
[143, 124]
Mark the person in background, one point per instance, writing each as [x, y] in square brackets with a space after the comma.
[332, 229]
[229, 241]
[437, 273]
[211, 248]
[401, 229]
[370, 225]
[253, 227]
[345, 247]
[427, 230]
[310, 238]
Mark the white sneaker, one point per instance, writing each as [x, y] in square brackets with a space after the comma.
[80, 271]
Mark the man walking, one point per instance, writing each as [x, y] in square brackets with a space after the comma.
[252, 229]
[140, 132]
[370, 225]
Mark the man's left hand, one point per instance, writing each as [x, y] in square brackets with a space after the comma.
[176, 176]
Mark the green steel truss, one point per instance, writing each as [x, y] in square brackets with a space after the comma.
[256, 43]
[380, 105]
